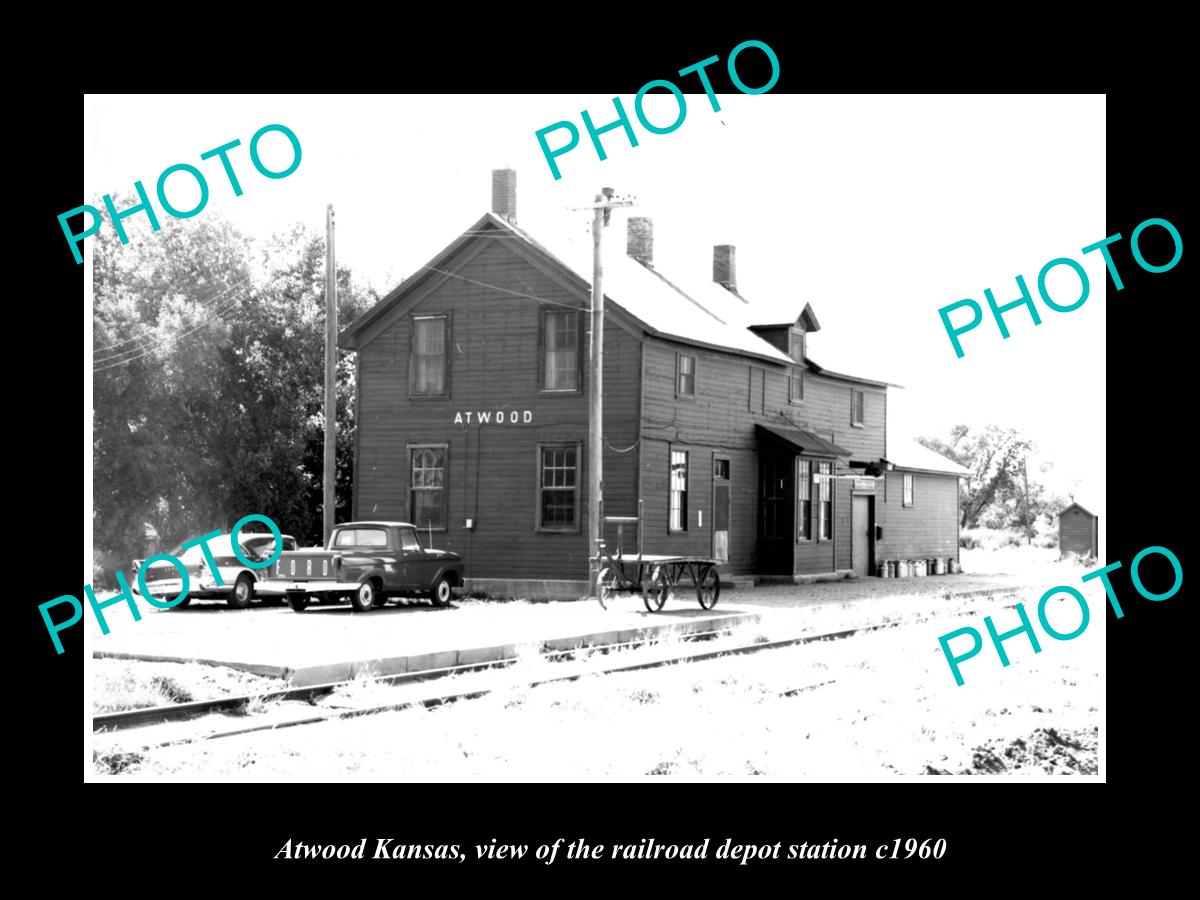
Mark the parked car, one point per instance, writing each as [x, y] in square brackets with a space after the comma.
[241, 584]
[367, 563]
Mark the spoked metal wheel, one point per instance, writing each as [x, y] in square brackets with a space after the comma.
[659, 589]
[606, 586]
[709, 587]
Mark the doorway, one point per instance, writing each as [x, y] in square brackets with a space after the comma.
[862, 529]
[720, 548]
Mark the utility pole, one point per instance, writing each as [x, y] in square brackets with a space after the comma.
[329, 477]
[601, 211]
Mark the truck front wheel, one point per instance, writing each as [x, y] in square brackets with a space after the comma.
[442, 593]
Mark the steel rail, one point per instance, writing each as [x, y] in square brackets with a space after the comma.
[156, 715]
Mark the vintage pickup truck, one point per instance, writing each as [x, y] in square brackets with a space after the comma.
[369, 562]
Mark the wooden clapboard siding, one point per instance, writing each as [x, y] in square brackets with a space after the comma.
[494, 295]
[1077, 532]
[928, 528]
[826, 412]
[494, 367]
[841, 524]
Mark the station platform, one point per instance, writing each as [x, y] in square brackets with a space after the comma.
[332, 643]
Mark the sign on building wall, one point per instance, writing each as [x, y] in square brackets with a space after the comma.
[496, 417]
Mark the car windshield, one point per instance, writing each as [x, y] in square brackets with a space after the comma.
[360, 537]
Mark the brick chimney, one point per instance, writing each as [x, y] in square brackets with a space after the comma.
[504, 194]
[724, 270]
[639, 240]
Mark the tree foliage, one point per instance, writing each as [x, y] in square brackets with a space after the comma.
[994, 495]
[209, 385]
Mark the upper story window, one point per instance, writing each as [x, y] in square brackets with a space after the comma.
[796, 387]
[857, 405]
[427, 376]
[908, 491]
[685, 382]
[560, 350]
[796, 345]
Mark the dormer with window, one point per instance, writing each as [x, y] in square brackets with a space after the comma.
[791, 337]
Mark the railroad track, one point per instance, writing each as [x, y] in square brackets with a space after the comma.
[110, 722]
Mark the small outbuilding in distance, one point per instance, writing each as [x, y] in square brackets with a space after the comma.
[1078, 532]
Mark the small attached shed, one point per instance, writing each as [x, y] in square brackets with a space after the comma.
[1078, 532]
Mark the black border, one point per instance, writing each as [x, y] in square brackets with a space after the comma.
[991, 834]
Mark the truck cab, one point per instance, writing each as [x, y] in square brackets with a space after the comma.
[369, 562]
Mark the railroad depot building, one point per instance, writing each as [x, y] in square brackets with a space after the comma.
[472, 420]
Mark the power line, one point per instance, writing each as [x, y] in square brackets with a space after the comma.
[150, 330]
[148, 349]
[504, 290]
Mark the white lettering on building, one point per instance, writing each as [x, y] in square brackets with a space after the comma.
[499, 417]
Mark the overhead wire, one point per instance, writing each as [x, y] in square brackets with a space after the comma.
[146, 350]
[150, 330]
[140, 352]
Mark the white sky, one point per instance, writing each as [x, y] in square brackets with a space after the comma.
[877, 210]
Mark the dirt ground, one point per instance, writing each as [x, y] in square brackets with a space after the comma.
[878, 705]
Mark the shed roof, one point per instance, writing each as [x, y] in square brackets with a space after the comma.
[804, 441]
[911, 455]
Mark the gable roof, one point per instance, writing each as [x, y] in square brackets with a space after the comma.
[807, 320]
[1078, 507]
[660, 307]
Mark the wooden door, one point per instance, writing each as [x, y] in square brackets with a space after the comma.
[720, 549]
[860, 534]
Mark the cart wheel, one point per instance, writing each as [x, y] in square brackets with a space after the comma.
[659, 589]
[709, 588]
[606, 586]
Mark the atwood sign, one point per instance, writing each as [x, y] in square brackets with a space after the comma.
[494, 417]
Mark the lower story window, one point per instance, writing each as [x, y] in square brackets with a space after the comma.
[825, 506]
[803, 499]
[427, 487]
[908, 491]
[679, 490]
[558, 487]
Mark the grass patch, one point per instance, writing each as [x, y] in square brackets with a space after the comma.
[121, 684]
[115, 762]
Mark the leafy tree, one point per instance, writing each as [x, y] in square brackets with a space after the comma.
[995, 456]
[209, 384]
